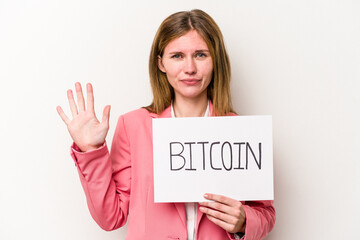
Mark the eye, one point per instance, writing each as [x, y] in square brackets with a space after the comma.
[201, 55]
[176, 56]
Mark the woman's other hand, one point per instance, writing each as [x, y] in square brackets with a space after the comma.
[85, 129]
[225, 212]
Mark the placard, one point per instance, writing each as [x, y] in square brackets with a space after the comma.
[231, 156]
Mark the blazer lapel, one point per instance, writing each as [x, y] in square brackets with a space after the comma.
[199, 215]
[180, 207]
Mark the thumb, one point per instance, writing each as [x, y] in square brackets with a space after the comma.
[106, 115]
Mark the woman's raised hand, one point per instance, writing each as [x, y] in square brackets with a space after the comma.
[85, 129]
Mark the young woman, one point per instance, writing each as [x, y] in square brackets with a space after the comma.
[190, 77]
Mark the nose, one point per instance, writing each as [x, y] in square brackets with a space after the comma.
[190, 66]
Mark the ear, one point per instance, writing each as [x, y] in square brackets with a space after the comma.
[160, 65]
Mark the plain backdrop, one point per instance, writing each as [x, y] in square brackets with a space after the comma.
[298, 61]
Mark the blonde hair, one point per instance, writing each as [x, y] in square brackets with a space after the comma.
[175, 26]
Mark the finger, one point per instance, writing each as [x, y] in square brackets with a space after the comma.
[90, 97]
[219, 215]
[80, 97]
[106, 115]
[224, 204]
[219, 207]
[220, 198]
[72, 103]
[224, 225]
[63, 115]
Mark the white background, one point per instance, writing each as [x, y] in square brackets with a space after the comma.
[295, 60]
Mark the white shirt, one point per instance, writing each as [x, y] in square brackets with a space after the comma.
[191, 207]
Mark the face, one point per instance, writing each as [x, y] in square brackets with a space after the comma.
[188, 66]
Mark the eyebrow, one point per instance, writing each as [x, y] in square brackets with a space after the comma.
[197, 51]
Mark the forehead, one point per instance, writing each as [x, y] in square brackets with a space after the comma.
[189, 42]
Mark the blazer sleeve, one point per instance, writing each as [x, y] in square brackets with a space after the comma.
[260, 219]
[106, 179]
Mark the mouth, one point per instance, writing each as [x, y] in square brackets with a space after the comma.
[190, 82]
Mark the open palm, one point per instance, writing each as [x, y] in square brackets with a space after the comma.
[85, 129]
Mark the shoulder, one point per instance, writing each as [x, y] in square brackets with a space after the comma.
[232, 114]
[136, 117]
[137, 114]
[135, 123]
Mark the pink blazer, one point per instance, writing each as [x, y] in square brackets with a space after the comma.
[120, 184]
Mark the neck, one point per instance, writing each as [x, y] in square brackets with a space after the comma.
[190, 107]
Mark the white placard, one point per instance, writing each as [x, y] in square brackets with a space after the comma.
[231, 156]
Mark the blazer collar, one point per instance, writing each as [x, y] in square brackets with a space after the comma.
[167, 112]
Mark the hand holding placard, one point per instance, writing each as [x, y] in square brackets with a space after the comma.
[225, 212]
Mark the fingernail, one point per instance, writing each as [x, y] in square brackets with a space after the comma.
[206, 196]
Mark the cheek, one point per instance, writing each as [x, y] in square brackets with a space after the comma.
[172, 70]
[208, 70]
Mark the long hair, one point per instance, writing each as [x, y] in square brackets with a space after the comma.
[175, 26]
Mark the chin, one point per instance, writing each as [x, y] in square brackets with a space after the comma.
[192, 94]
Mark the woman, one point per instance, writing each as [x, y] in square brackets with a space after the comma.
[190, 77]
